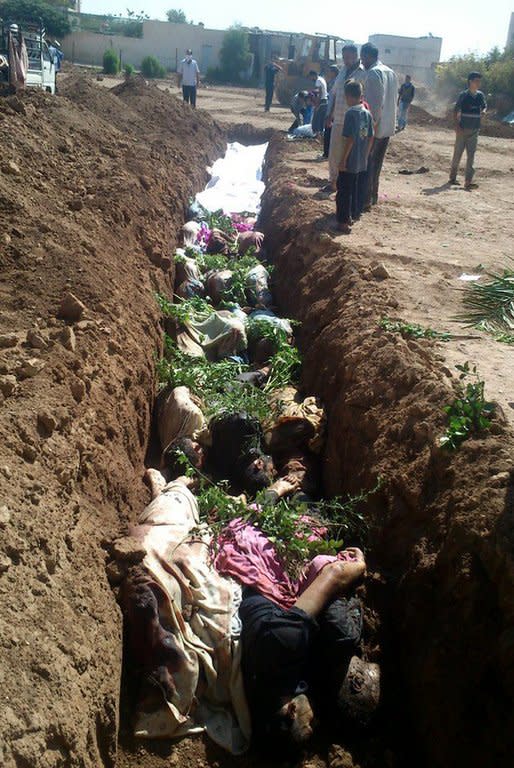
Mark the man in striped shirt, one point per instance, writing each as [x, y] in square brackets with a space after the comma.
[468, 110]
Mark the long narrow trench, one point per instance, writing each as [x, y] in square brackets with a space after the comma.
[211, 266]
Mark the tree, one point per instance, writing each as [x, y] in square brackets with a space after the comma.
[496, 67]
[23, 11]
[235, 53]
[176, 16]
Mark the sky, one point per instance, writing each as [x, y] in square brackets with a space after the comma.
[464, 25]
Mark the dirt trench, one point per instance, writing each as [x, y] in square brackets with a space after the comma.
[440, 597]
[440, 608]
[439, 600]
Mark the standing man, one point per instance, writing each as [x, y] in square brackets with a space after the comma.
[56, 54]
[405, 97]
[332, 75]
[321, 91]
[351, 70]
[189, 78]
[270, 72]
[467, 112]
[380, 92]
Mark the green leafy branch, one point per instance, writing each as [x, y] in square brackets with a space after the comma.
[412, 330]
[470, 413]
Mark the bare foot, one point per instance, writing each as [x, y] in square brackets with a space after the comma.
[155, 480]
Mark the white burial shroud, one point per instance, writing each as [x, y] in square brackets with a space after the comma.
[236, 184]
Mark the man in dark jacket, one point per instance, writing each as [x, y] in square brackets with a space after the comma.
[405, 97]
[469, 108]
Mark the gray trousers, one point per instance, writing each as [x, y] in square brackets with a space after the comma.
[467, 140]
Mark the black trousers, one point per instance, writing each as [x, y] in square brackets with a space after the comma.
[375, 163]
[269, 97]
[189, 94]
[326, 141]
[351, 195]
[319, 117]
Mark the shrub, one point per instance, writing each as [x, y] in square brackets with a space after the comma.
[234, 54]
[132, 29]
[496, 67]
[214, 75]
[151, 67]
[111, 62]
[129, 70]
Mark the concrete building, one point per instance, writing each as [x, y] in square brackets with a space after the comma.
[415, 56]
[167, 42]
[510, 37]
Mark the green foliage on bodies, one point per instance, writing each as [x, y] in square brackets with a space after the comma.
[288, 525]
[25, 11]
[412, 330]
[111, 62]
[213, 383]
[469, 414]
[152, 67]
[195, 309]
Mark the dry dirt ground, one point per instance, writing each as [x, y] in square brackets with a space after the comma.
[93, 189]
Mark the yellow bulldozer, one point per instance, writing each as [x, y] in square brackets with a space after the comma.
[309, 52]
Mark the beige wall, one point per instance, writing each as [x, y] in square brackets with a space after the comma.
[415, 56]
[166, 41]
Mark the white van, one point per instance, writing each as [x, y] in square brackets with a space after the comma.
[41, 71]
[41, 67]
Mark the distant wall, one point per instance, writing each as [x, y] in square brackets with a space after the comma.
[415, 56]
[162, 39]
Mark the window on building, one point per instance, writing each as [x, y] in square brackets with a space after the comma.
[387, 50]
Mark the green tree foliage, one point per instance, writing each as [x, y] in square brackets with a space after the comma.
[111, 62]
[497, 71]
[151, 67]
[176, 16]
[235, 53]
[23, 11]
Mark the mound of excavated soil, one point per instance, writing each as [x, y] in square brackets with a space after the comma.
[93, 188]
[489, 127]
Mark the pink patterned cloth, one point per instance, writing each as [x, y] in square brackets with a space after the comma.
[246, 554]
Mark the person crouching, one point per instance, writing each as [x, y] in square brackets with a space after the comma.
[358, 140]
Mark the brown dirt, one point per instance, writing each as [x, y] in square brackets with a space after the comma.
[91, 205]
[95, 208]
[443, 535]
[491, 126]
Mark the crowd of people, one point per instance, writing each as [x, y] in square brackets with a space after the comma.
[223, 635]
[357, 109]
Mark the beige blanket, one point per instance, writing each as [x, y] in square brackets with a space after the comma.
[198, 608]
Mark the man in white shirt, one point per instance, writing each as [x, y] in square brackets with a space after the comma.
[321, 90]
[189, 78]
[351, 70]
[380, 92]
